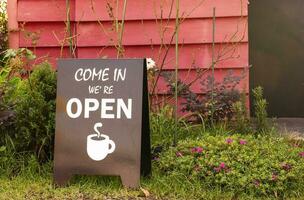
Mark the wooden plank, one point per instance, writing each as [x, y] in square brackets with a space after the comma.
[156, 9]
[192, 31]
[198, 56]
[50, 54]
[188, 76]
[44, 10]
[13, 37]
[51, 34]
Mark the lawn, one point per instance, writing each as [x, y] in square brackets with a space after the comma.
[39, 186]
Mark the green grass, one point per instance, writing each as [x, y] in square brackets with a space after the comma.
[174, 186]
[23, 178]
[39, 186]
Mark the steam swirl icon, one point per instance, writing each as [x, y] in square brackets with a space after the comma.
[99, 146]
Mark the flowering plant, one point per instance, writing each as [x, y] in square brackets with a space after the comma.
[262, 165]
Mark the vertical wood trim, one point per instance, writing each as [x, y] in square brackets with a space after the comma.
[13, 29]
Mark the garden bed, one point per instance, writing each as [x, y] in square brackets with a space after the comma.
[231, 160]
[206, 165]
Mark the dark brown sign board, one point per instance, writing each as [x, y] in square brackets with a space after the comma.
[102, 120]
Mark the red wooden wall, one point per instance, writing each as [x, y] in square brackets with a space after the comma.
[40, 25]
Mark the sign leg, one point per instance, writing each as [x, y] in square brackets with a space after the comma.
[130, 180]
[61, 178]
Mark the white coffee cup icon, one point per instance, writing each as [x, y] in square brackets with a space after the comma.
[99, 145]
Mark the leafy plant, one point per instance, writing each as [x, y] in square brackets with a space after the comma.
[260, 110]
[241, 118]
[35, 112]
[220, 99]
[14, 66]
[163, 127]
[242, 164]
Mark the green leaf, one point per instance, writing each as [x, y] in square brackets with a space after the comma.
[2, 148]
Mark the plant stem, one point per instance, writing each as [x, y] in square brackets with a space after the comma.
[213, 63]
[68, 26]
[120, 46]
[176, 69]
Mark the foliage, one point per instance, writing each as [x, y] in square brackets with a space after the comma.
[14, 65]
[224, 95]
[241, 118]
[162, 125]
[260, 110]
[241, 164]
[17, 59]
[35, 112]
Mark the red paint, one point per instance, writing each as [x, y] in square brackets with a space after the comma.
[50, 54]
[195, 31]
[50, 34]
[192, 55]
[151, 9]
[141, 36]
[13, 37]
[44, 10]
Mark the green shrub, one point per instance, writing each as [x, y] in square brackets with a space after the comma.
[14, 62]
[241, 164]
[13, 65]
[217, 103]
[35, 112]
[260, 110]
[241, 118]
[162, 125]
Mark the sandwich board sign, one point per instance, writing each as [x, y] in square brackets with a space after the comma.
[102, 120]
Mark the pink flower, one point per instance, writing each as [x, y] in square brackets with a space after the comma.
[217, 169]
[179, 154]
[286, 166]
[222, 165]
[197, 150]
[243, 142]
[301, 154]
[229, 140]
[256, 183]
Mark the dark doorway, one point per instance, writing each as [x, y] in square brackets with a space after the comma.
[276, 35]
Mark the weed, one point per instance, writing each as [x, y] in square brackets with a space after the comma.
[260, 110]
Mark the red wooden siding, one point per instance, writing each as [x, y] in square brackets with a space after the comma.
[192, 55]
[13, 24]
[44, 10]
[94, 38]
[150, 9]
[195, 31]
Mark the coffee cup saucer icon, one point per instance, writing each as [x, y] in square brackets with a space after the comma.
[99, 146]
